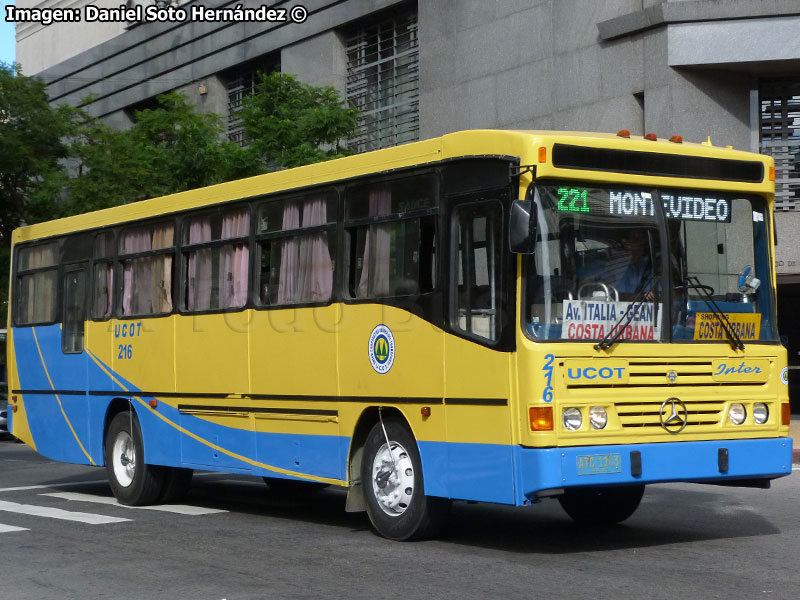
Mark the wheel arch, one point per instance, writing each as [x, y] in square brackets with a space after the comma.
[366, 421]
[116, 406]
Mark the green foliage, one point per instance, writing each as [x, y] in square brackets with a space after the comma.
[32, 145]
[289, 123]
[59, 161]
[169, 149]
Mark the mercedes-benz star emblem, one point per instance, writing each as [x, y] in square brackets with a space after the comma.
[674, 415]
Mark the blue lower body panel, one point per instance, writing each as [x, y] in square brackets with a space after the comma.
[538, 469]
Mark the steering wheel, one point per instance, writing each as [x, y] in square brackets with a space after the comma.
[594, 286]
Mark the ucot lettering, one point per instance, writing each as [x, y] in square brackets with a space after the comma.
[595, 373]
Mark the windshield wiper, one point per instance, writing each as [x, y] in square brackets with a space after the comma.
[735, 341]
[616, 331]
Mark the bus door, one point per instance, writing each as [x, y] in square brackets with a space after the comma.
[476, 369]
[70, 372]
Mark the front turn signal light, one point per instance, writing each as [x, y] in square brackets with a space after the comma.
[541, 418]
[786, 413]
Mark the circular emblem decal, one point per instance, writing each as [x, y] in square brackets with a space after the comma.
[785, 375]
[381, 349]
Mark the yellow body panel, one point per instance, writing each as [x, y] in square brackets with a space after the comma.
[298, 359]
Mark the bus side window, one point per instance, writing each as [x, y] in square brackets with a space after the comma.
[297, 239]
[37, 277]
[392, 237]
[475, 297]
[146, 253]
[74, 311]
[216, 259]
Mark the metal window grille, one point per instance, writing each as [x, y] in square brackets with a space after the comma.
[780, 137]
[241, 83]
[383, 82]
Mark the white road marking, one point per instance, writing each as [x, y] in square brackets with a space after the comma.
[10, 528]
[57, 513]
[50, 487]
[181, 509]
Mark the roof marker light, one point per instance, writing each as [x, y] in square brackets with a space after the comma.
[624, 133]
[772, 173]
[677, 139]
[651, 136]
[542, 154]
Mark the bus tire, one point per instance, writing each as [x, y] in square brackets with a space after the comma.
[177, 483]
[601, 505]
[394, 491]
[133, 482]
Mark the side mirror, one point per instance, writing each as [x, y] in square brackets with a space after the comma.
[522, 227]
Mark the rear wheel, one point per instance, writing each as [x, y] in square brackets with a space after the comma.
[601, 505]
[133, 482]
[394, 490]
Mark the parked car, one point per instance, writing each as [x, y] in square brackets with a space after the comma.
[3, 418]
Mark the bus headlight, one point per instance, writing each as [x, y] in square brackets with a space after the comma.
[760, 413]
[598, 417]
[737, 413]
[572, 419]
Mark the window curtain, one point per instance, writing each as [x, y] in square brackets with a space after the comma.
[42, 286]
[104, 276]
[315, 276]
[199, 285]
[161, 287]
[374, 280]
[235, 260]
[135, 273]
[288, 283]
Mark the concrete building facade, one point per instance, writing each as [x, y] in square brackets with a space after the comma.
[724, 69]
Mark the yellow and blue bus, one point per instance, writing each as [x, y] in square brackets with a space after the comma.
[492, 316]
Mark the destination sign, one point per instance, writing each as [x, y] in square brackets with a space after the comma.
[685, 205]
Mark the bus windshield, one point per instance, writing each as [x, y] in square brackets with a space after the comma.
[646, 264]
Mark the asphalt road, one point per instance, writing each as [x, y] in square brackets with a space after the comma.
[63, 537]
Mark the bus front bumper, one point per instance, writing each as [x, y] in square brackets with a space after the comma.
[545, 471]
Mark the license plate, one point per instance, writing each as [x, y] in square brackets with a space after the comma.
[598, 464]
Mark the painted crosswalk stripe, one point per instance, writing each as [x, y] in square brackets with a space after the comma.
[181, 509]
[10, 528]
[50, 487]
[57, 513]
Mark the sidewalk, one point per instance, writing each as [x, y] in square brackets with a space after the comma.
[794, 433]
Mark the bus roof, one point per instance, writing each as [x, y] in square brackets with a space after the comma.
[481, 142]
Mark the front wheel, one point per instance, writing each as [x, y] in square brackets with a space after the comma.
[601, 505]
[391, 475]
[133, 482]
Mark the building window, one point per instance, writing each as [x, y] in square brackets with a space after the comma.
[780, 137]
[383, 82]
[241, 82]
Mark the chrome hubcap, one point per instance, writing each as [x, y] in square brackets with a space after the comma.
[393, 479]
[123, 457]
